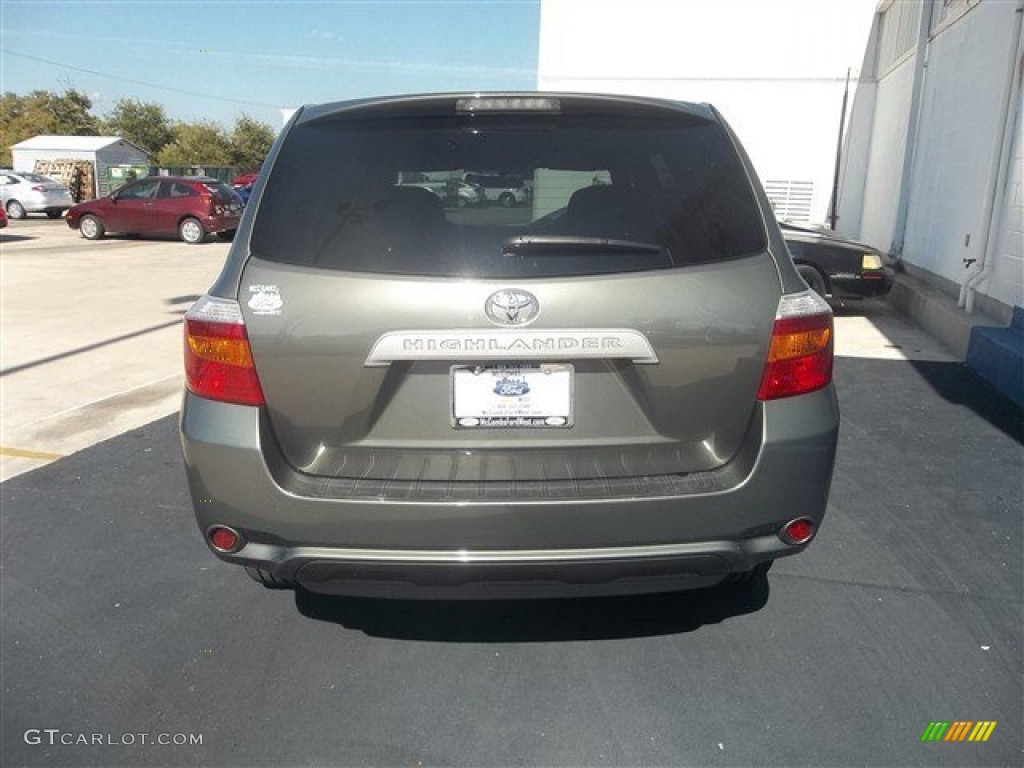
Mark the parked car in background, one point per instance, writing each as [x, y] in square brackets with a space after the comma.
[501, 189]
[388, 397]
[24, 193]
[836, 267]
[191, 207]
[245, 179]
[242, 184]
[454, 193]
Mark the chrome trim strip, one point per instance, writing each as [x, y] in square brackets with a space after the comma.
[272, 553]
[518, 344]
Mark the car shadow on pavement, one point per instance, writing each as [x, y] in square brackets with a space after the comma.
[537, 621]
[6, 238]
[959, 385]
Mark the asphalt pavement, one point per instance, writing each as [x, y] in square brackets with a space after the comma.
[121, 630]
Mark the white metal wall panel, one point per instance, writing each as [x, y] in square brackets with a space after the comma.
[885, 155]
[1007, 281]
[958, 140]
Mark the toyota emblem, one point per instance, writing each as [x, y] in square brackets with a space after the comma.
[512, 307]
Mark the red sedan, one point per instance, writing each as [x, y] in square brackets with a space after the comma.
[191, 207]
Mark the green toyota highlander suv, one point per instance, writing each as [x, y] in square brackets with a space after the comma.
[621, 386]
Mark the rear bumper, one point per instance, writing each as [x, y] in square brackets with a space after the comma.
[42, 203]
[370, 540]
[220, 223]
[868, 284]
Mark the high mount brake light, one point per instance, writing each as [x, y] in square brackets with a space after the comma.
[800, 353]
[508, 104]
[218, 359]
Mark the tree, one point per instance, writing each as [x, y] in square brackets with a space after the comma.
[202, 143]
[44, 113]
[250, 142]
[144, 124]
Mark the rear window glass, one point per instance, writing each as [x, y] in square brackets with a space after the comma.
[222, 193]
[593, 194]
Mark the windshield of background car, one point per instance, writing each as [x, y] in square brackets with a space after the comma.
[609, 193]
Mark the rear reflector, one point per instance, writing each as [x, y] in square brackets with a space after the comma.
[218, 359]
[798, 531]
[800, 353]
[224, 539]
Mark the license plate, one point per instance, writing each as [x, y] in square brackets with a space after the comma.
[512, 396]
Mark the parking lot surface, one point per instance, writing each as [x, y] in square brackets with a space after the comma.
[118, 623]
[91, 335]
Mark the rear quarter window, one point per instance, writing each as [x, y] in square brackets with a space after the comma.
[221, 192]
[390, 195]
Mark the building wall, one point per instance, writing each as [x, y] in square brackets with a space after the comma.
[1006, 283]
[116, 154]
[958, 142]
[24, 160]
[776, 70]
[120, 153]
[968, 63]
[884, 170]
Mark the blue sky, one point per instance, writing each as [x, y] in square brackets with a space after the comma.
[218, 58]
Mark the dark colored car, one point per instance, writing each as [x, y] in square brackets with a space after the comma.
[3, 218]
[188, 206]
[387, 396]
[837, 267]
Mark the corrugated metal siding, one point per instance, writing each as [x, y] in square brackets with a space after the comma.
[900, 22]
[116, 154]
[791, 200]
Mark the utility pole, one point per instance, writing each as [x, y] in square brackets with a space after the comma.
[833, 214]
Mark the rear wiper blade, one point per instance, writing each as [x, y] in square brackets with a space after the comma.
[560, 244]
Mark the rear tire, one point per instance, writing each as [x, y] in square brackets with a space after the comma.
[15, 210]
[814, 279]
[226, 235]
[53, 214]
[507, 199]
[91, 227]
[267, 579]
[191, 231]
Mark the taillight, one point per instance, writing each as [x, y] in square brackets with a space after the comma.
[218, 359]
[38, 188]
[800, 353]
[870, 261]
